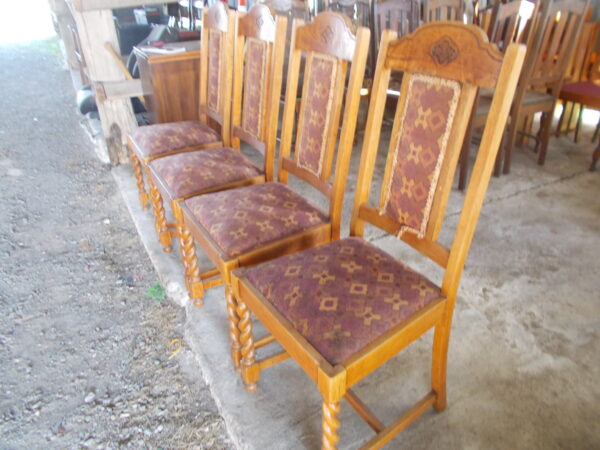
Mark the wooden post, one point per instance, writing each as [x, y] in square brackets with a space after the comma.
[96, 28]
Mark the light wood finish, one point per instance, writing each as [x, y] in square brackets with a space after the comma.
[261, 25]
[171, 82]
[334, 382]
[217, 18]
[311, 43]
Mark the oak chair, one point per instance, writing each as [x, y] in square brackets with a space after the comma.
[513, 22]
[442, 10]
[216, 61]
[255, 223]
[259, 50]
[345, 308]
[542, 77]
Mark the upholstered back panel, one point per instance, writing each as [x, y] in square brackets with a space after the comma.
[215, 56]
[316, 112]
[415, 159]
[255, 78]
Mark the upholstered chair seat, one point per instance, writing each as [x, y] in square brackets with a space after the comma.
[342, 296]
[242, 219]
[164, 138]
[186, 174]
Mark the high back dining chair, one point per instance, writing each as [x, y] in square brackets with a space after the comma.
[442, 10]
[343, 309]
[216, 65]
[544, 70]
[255, 223]
[513, 22]
[259, 50]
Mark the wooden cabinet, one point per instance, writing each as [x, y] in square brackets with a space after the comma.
[171, 82]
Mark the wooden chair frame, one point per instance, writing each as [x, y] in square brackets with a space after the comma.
[443, 10]
[220, 19]
[481, 66]
[328, 34]
[559, 26]
[261, 25]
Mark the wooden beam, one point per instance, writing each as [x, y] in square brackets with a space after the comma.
[90, 5]
[119, 89]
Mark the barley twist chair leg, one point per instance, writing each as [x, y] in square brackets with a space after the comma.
[137, 171]
[193, 281]
[179, 227]
[234, 332]
[330, 425]
[160, 217]
[249, 368]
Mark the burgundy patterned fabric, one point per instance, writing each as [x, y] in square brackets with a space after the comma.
[214, 70]
[243, 219]
[164, 138]
[342, 296]
[194, 172]
[254, 94]
[316, 114]
[417, 159]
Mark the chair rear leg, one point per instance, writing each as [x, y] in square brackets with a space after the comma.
[545, 137]
[595, 158]
[331, 424]
[439, 363]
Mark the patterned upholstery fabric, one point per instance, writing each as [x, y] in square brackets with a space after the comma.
[245, 218]
[256, 65]
[316, 115]
[163, 138]
[418, 155]
[343, 295]
[214, 69]
[192, 172]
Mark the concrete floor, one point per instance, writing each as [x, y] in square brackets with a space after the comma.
[524, 359]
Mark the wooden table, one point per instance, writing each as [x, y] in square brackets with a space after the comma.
[171, 82]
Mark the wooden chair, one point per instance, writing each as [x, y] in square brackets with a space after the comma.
[542, 78]
[259, 50]
[343, 309]
[255, 223]
[513, 22]
[582, 68]
[216, 62]
[441, 10]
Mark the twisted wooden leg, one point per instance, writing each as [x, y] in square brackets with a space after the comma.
[234, 332]
[160, 218]
[330, 425]
[193, 281]
[179, 226]
[137, 170]
[249, 369]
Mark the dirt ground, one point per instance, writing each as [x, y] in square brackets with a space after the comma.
[86, 355]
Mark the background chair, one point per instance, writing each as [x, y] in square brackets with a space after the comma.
[259, 47]
[343, 309]
[441, 10]
[216, 61]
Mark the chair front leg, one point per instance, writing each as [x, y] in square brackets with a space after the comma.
[249, 368]
[234, 332]
[331, 424]
[139, 179]
[160, 217]
[193, 280]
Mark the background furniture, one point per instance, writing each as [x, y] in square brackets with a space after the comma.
[171, 82]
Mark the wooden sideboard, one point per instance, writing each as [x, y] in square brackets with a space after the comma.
[171, 82]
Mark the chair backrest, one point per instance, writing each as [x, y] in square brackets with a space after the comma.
[444, 64]
[216, 67]
[401, 16]
[441, 10]
[329, 45]
[359, 11]
[259, 53]
[513, 23]
[581, 62]
[557, 32]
